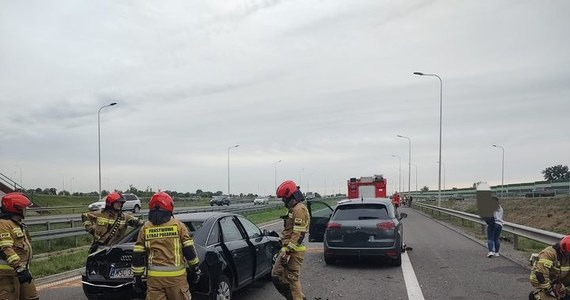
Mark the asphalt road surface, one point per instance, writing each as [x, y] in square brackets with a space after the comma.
[442, 265]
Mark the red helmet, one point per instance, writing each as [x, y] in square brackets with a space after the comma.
[161, 200]
[15, 203]
[565, 244]
[286, 189]
[112, 198]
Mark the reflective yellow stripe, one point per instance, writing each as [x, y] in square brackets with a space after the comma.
[6, 243]
[5, 267]
[300, 228]
[296, 248]
[137, 270]
[194, 262]
[12, 258]
[166, 273]
[546, 262]
[86, 223]
[565, 269]
[188, 243]
[150, 256]
[102, 221]
[138, 248]
[176, 251]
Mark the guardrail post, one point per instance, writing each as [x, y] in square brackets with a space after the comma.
[48, 227]
[73, 225]
[516, 241]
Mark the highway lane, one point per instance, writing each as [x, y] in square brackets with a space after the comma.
[447, 266]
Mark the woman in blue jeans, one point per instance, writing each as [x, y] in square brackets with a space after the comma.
[494, 231]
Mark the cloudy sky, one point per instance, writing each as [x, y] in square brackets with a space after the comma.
[323, 86]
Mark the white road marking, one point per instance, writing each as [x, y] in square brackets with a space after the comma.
[412, 286]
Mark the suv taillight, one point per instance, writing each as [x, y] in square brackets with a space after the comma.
[388, 225]
[331, 225]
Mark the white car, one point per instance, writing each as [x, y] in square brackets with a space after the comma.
[260, 201]
[132, 203]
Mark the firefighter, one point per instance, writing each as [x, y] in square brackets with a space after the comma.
[396, 200]
[16, 282]
[165, 248]
[110, 224]
[550, 274]
[286, 271]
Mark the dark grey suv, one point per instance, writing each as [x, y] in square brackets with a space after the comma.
[358, 228]
[220, 200]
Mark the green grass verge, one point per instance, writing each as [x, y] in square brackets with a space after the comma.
[58, 264]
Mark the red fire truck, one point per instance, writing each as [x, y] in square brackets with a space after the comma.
[367, 187]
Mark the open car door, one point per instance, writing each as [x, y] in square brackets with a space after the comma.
[320, 213]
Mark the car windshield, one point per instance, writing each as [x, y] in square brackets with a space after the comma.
[361, 212]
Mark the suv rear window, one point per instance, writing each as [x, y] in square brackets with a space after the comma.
[361, 212]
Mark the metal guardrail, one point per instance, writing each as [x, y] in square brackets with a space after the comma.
[48, 235]
[517, 230]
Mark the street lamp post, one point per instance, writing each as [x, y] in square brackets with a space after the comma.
[416, 169]
[409, 160]
[440, 121]
[21, 184]
[399, 172]
[443, 174]
[99, 140]
[230, 148]
[502, 170]
[275, 183]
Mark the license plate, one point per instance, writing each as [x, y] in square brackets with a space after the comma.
[121, 273]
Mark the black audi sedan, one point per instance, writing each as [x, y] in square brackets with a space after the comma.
[358, 228]
[233, 253]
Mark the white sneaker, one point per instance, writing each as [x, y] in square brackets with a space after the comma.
[497, 254]
[490, 254]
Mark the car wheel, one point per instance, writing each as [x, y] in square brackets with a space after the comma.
[397, 261]
[224, 290]
[136, 209]
[330, 260]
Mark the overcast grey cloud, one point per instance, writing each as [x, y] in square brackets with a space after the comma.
[324, 86]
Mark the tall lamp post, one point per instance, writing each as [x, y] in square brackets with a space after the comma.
[440, 119]
[99, 140]
[502, 170]
[416, 169]
[21, 184]
[399, 172]
[409, 160]
[230, 148]
[443, 174]
[275, 183]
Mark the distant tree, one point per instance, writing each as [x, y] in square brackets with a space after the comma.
[38, 191]
[454, 188]
[317, 195]
[425, 189]
[555, 173]
[218, 193]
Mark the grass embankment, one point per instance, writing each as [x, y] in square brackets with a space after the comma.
[551, 214]
[61, 261]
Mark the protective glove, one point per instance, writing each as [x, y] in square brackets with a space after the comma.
[24, 275]
[559, 290]
[194, 274]
[138, 285]
[285, 256]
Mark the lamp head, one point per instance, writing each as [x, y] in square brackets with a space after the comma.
[418, 73]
